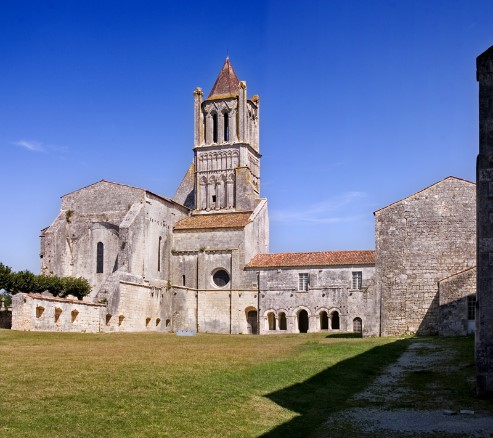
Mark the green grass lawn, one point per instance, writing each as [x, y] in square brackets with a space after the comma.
[105, 385]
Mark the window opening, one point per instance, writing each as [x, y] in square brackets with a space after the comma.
[108, 319]
[168, 322]
[271, 320]
[252, 322]
[58, 312]
[471, 307]
[220, 278]
[183, 280]
[357, 279]
[120, 319]
[159, 255]
[334, 320]
[324, 321]
[282, 321]
[214, 198]
[99, 258]
[303, 323]
[148, 320]
[303, 282]
[158, 320]
[226, 127]
[357, 325]
[214, 128]
[39, 311]
[74, 314]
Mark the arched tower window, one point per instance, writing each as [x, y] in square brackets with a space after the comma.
[226, 127]
[159, 254]
[99, 258]
[214, 128]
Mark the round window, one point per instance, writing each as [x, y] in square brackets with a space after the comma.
[220, 278]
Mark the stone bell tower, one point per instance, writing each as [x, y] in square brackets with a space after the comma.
[226, 146]
[484, 199]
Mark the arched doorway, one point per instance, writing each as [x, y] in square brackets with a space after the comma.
[303, 323]
[252, 322]
[324, 320]
[282, 321]
[334, 320]
[357, 325]
[271, 320]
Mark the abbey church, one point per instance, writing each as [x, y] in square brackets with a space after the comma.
[200, 261]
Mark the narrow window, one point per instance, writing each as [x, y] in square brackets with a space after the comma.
[303, 282]
[74, 314]
[99, 258]
[471, 307]
[120, 319]
[39, 311]
[158, 321]
[214, 128]
[58, 312]
[108, 319]
[226, 127]
[159, 255]
[183, 282]
[271, 320]
[357, 279]
[148, 320]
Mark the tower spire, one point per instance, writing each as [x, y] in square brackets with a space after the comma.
[227, 83]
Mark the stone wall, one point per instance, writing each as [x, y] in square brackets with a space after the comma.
[330, 291]
[454, 293]
[33, 312]
[420, 240]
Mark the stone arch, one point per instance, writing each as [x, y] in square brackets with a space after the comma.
[281, 317]
[302, 316]
[334, 319]
[251, 316]
[323, 318]
[357, 325]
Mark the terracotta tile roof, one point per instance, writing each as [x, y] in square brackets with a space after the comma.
[325, 258]
[227, 83]
[210, 221]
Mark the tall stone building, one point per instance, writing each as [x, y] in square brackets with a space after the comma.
[484, 178]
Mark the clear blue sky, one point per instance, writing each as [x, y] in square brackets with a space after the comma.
[362, 104]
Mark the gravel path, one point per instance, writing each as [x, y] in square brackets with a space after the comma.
[378, 421]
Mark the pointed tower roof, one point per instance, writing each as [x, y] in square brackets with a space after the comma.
[227, 83]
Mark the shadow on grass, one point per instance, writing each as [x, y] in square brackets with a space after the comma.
[345, 335]
[328, 391]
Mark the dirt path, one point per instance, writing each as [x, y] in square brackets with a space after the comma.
[392, 406]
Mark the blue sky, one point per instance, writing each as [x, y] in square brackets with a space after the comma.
[362, 104]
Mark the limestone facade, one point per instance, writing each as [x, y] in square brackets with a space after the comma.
[419, 241]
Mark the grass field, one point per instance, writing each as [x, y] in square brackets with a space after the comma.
[105, 385]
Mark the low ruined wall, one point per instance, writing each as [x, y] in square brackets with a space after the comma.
[33, 312]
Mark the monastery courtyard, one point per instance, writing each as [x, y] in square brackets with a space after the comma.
[145, 384]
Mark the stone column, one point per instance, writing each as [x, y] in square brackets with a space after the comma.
[198, 121]
[484, 200]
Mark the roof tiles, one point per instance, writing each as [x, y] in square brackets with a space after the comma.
[227, 83]
[210, 221]
[324, 258]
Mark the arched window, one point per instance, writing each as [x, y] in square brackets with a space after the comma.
[226, 127]
[214, 128]
[357, 325]
[99, 258]
[251, 317]
[334, 320]
[324, 321]
[271, 318]
[159, 255]
[282, 321]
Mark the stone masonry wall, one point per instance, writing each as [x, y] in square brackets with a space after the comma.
[420, 240]
[32, 312]
[330, 290]
[453, 296]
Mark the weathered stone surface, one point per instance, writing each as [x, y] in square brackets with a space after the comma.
[421, 239]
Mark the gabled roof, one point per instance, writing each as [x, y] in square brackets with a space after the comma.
[307, 259]
[211, 221]
[227, 83]
[131, 187]
[422, 190]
